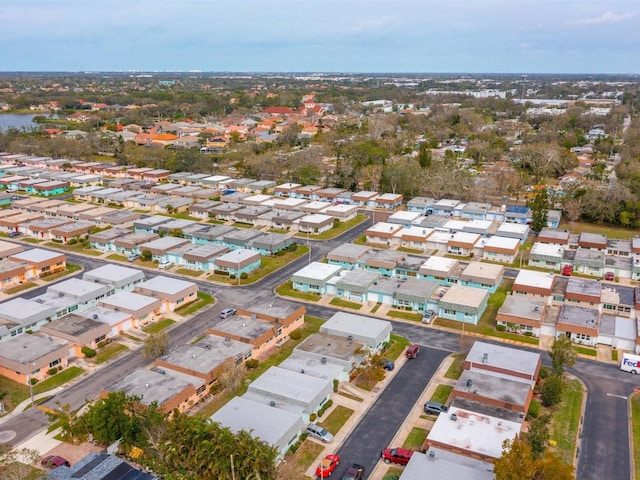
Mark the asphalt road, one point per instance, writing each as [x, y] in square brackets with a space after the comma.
[376, 429]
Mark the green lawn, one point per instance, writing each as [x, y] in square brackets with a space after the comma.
[635, 430]
[610, 232]
[71, 268]
[189, 272]
[286, 290]
[31, 240]
[376, 307]
[393, 472]
[158, 326]
[566, 420]
[203, 300]
[415, 439]
[395, 347]
[586, 351]
[15, 393]
[411, 250]
[441, 395]
[117, 257]
[20, 288]
[77, 248]
[455, 369]
[336, 419]
[295, 465]
[57, 380]
[339, 302]
[107, 352]
[405, 315]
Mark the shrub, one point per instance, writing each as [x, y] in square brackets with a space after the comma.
[501, 328]
[73, 241]
[59, 368]
[295, 335]
[391, 476]
[528, 334]
[244, 275]
[534, 409]
[252, 363]
[232, 277]
[552, 391]
[88, 352]
[104, 342]
[52, 371]
[312, 417]
[335, 385]
[321, 412]
[544, 373]
[327, 404]
[221, 272]
[33, 381]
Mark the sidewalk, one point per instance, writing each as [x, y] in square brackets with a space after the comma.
[21, 407]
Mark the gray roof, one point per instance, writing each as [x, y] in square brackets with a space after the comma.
[167, 285]
[504, 357]
[590, 258]
[114, 275]
[349, 251]
[99, 466]
[24, 311]
[578, 316]
[154, 385]
[505, 389]
[415, 290]
[583, 286]
[207, 354]
[445, 465]
[357, 280]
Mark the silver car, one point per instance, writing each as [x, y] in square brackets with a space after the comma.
[316, 431]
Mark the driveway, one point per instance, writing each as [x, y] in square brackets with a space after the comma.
[378, 426]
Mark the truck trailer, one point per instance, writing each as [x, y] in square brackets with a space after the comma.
[630, 363]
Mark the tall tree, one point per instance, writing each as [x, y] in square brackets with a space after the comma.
[563, 354]
[538, 435]
[516, 462]
[539, 206]
[155, 345]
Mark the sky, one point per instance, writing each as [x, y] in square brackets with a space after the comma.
[386, 36]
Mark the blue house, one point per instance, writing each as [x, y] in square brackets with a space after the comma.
[463, 304]
[314, 277]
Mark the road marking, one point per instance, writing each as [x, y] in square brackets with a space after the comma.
[617, 396]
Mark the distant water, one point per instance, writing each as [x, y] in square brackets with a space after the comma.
[17, 120]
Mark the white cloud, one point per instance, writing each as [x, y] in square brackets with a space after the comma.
[605, 18]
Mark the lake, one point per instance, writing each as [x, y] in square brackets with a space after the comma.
[17, 120]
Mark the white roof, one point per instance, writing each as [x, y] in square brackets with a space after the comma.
[384, 227]
[316, 218]
[502, 242]
[513, 228]
[439, 464]
[238, 255]
[129, 300]
[318, 271]
[474, 432]
[112, 273]
[466, 237]
[405, 215]
[36, 255]
[531, 278]
[168, 285]
[465, 296]
[443, 264]
[547, 249]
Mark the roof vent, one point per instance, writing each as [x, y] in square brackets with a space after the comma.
[61, 294]
[193, 356]
[302, 370]
[272, 403]
[207, 346]
[94, 316]
[117, 309]
[323, 360]
[485, 357]
[432, 455]
[350, 337]
[161, 371]
[454, 417]
[227, 340]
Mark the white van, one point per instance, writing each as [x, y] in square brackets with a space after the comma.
[630, 363]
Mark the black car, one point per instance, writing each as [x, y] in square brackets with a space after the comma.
[354, 472]
[388, 364]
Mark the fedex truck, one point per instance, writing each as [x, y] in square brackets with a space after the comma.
[630, 363]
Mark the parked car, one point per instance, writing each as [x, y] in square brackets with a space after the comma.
[401, 456]
[327, 465]
[388, 364]
[354, 472]
[14, 234]
[318, 432]
[435, 408]
[567, 270]
[54, 461]
[412, 351]
[610, 276]
[133, 257]
[164, 264]
[428, 316]
[227, 312]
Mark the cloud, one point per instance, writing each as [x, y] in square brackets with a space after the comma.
[605, 18]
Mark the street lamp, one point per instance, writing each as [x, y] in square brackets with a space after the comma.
[238, 268]
[308, 248]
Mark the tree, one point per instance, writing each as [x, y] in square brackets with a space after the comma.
[552, 467]
[176, 232]
[146, 255]
[155, 345]
[538, 435]
[563, 353]
[539, 206]
[552, 390]
[516, 462]
[231, 375]
[17, 464]
[110, 419]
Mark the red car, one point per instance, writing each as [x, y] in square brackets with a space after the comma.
[609, 276]
[412, 351]
[401, 456]
[567, 270]
[327, 466]
[54, 461]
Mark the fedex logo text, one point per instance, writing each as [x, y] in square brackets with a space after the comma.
[630, 362]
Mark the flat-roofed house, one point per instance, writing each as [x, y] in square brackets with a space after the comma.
[29, 357]
[238, 261]
[316, 223]
[522, 314]
[389, 201]
[79, 331]
[482, 275]
[595, 241]
[499, 391]
[441, 269]
[17, 223]
[286, 189]
[70, 231]
[546, 255]
[463, 243]
[438, 464]
[7, 249]
[314, 277]
[464, 304]
[160, 247]
[132, 242]
[275, 426]
[347, 255]
[39, 262]
[143, 309]
[172, 292]
[383, 261]
[533, 283]
[373, 332]
[554, 236]
[501, 249]
[118, 321]
[583, 292]
[590, 261]
[415, 238]
[364, 198]
[104, 240]
[580, 324]
[12, 274]
[383, 233]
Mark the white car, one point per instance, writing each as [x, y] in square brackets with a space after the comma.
[164, 264]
